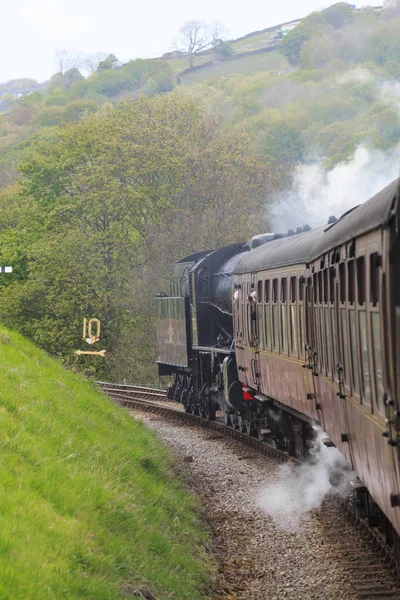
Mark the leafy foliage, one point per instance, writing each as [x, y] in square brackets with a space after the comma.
[99, 205]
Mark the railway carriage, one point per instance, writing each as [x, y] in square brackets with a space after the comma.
[282, 334]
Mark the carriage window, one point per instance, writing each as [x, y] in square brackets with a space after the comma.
[354, 353]
[361, 280]
[249, 324]
[301, 289]
[266, 290]
[326, 286]
[267, 330]
[332, 276]
[328, 342]
[284, 328]
[243, 323]
[293, 289]
[293, 317]
[376, 341]
[345, 344]
[365, 357]
[322, 339]
[259, 291]
[351, 281]
[293, 328]
[335, 349]
[315, 287]
[274, 290]
[260, 328]
[374, 278]
[283, 289]
[320, 288]
[275, 316]
[342, 281]
[301, 329]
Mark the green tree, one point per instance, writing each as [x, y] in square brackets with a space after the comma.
[107, 63]
[223, 50]
[292, 43]
[339, 14]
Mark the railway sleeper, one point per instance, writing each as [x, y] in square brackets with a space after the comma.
[373, 517]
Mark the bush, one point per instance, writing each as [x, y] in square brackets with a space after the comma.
[223, 50]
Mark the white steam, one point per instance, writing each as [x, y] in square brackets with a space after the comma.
[317, 194]
[303, 487]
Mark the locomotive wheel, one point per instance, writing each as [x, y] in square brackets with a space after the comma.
[210, 411]
[251, 428]
[183, 398]
[241, 424]
[227, 418]
[234, 422]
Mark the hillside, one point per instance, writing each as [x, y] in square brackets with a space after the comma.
[128, 169]
[90, 505]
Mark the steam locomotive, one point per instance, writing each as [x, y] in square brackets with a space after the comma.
[286, 332]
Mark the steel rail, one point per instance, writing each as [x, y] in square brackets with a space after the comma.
[151, 400]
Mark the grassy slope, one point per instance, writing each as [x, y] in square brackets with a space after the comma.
[89, 507]
[248, 65]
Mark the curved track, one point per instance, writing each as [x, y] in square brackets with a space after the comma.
[373, 571]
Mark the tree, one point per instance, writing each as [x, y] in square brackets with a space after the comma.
[69, 65]
[223, 50]
[339, 14]
[69, 59]
[196, 36]
[92, 61]
[107, 63]
[292, 43]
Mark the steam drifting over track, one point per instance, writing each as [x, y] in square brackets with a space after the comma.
[357, 548]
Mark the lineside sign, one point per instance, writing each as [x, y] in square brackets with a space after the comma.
[91, 337]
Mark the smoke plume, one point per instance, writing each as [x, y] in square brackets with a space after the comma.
[316, 193]
[303, 487]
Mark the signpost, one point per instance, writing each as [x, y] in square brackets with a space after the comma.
[5, 269]
[100, 353]
[90, 337]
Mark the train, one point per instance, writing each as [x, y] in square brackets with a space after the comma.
[289, 331]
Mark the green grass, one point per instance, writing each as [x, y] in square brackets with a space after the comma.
[254, 42]
[89, 505]
[180, 64]
[248, 65]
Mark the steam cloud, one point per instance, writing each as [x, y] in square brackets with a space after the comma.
[302, 488]
[316, 193]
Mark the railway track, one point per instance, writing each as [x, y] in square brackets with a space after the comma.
[370, 565]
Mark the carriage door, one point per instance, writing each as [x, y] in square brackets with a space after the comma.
[255, 329]
[311, 335]
[239, 306]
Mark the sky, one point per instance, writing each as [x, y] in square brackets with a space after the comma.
[34, 30]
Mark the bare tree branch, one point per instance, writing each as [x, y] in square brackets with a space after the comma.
[196, 36]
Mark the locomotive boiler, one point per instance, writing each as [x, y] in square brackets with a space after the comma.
[287, 332]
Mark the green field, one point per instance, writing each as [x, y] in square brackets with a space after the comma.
[248, 65]
[254, 42]
[90, 507]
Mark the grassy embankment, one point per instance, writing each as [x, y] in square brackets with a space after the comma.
[89, 506]
[247, 65]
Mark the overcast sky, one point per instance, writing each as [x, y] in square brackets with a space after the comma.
[33, 30]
